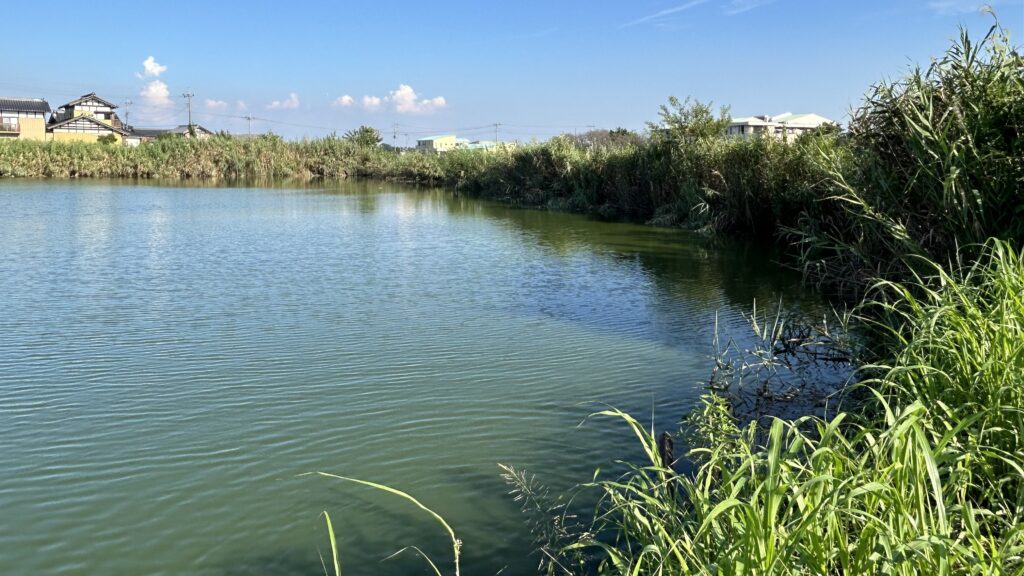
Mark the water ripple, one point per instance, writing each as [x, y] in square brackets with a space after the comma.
[173, 359]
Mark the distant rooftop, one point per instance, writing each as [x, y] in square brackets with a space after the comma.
[15, 104]
[789, 118]
[438, 137]
[87, 97]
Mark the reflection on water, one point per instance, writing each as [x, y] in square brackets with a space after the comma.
[174, 357]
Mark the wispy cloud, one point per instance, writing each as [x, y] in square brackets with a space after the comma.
[538, 33]
[291, 102]
[740, 6]
[241, 106]
[215, 104]
[950, 7]
[663, 13]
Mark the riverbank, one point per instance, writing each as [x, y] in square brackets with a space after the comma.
[917, 207]
[923, 472]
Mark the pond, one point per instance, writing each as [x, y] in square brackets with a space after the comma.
[173, 359]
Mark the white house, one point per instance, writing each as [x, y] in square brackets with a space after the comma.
[437, 144]
[786, 125]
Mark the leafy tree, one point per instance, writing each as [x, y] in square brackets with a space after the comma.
[689, 121]
[364, 137]
[617, 138]
[107, 139]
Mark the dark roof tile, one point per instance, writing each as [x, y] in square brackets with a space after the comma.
[24, 105]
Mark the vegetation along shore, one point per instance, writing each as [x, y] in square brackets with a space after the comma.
[915, 211]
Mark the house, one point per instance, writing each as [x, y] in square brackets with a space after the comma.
[488, 145]
[86, 119]
[437, 144]
[190, 131]
[23, 118]
[787, 125]
[137, 136]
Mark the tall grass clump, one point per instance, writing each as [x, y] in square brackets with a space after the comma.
[959, 342]
[806, 497]
[934, 161]
[927, 477]
[923, 471]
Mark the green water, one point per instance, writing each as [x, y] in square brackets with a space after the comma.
[172, 359]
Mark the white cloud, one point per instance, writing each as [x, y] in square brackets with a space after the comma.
[664, 13]
[740, 6]
[151, 68]
[291, 102]
[215, 104]
[407, 102]
[156, 94]
[948, 7]
[343, 101]
[371, 103]
[241, 106]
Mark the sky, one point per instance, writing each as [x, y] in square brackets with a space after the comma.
[535, 68]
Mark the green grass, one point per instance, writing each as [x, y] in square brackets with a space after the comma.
[456, 543]
[926, 476]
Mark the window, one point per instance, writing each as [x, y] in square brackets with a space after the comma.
[9, 123]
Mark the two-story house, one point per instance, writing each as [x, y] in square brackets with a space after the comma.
[86, 119]
[23, 118]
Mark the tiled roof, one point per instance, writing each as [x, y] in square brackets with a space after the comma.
[90, 96]
[147, 132]
[24, 105]
[183, 129]
[154, 132]
[50, 127]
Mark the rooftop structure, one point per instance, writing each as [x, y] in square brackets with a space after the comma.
[781, 125]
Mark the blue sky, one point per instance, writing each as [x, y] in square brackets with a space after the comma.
[537, 68]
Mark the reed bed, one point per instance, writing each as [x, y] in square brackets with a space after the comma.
[922, 472]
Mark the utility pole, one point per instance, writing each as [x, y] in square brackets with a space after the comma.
[127, 104]
[496, 124]
[188, 98]
[394, 135]
[249, 119]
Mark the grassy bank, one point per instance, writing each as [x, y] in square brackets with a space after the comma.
[922, 471]
[917, 208]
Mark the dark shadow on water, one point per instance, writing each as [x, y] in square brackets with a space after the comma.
[284, 562]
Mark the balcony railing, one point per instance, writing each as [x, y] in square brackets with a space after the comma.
[10, 128]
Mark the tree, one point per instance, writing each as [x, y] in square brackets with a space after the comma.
[107, 139]
[690, 121]
[617, 138]
[364, 137]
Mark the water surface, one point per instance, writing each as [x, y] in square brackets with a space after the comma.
[172, 359]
